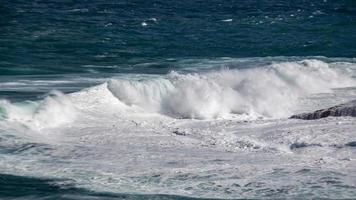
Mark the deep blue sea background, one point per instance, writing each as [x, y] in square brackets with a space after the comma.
[49, 40]
[64, 36]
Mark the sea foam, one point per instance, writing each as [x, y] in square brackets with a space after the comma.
[271, 91]
[55, 110]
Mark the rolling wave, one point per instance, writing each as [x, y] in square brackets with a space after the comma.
[272, 91]
[53, 111]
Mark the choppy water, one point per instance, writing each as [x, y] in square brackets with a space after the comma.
[49, 37]
[175, 99]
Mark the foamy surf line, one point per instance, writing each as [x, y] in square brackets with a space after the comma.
[217, 134]
[267, 92]
[271, 92]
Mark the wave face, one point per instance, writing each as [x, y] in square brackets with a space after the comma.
[55, 110]
[271, 91]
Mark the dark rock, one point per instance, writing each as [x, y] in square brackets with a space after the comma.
[347, 109]
[178, 132]
[351, 144]
[297, 145]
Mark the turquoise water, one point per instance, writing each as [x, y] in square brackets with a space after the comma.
[68, 45]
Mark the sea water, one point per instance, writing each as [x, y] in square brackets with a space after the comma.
[176, 99]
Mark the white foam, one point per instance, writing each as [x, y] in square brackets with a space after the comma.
[147, 94]
[270, 92]
[226, 20]
[117, 145]
[55, 110]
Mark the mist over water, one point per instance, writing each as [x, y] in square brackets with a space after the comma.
[176, 99]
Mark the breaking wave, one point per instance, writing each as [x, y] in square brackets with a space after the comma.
[55, 110]
[272, 91]
[264, 92]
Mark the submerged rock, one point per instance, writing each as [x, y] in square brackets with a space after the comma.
[347, 109]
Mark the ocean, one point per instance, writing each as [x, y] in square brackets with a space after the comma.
[176, 99]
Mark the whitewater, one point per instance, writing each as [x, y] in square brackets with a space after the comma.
[215, 130]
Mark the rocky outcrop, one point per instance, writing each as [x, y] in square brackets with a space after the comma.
[347, 109]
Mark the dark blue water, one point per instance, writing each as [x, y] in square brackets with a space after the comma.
[49, 40]
[50, 37]
[16, 187]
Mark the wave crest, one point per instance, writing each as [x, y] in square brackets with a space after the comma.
[270, 92]
[55, 110]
